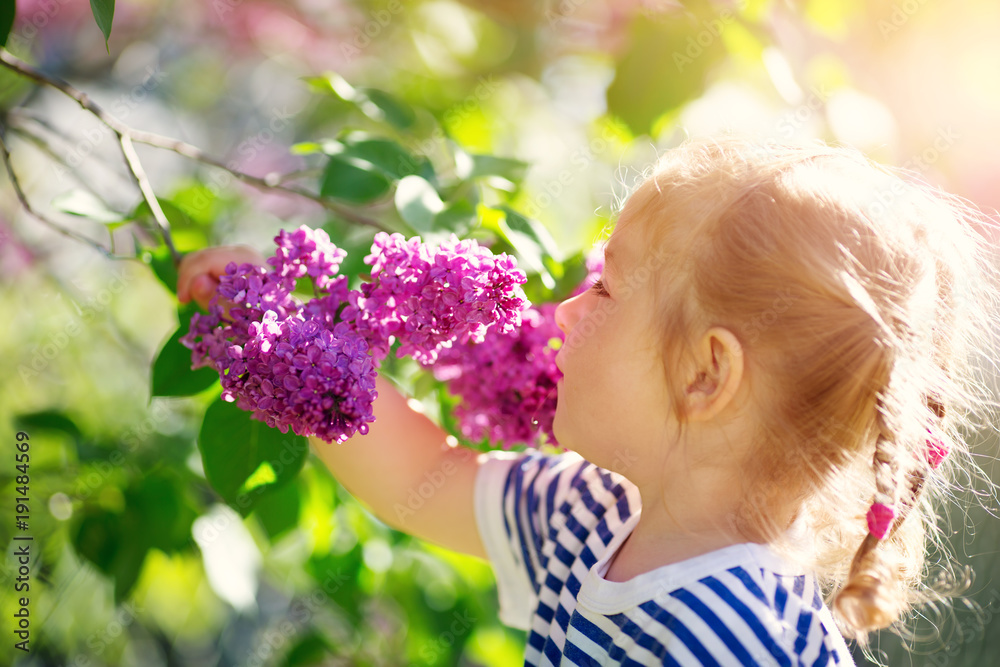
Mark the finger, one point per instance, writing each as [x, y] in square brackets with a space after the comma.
[203, 289]
[211, 262]
[186, 271]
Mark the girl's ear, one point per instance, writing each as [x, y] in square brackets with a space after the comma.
[717, 374]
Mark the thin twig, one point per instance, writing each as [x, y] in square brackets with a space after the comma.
[295, 175]
[22, 131]
[123, 131]
[267, 183]
[135, 167]
[180, 147]
[21, 197]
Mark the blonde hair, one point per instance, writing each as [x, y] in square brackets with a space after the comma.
[859, 298]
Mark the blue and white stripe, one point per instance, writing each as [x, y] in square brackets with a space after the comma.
[550, 524]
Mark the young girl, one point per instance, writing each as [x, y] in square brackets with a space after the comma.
[759, 396]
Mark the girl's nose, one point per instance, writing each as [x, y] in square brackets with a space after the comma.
[568, 313]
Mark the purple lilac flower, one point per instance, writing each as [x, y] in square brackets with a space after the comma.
[290, 364]
[429, 298]
[311, 367]
[506, 383]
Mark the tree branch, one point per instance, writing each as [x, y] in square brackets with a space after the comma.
[22, 131]
[23, 199]
[198, 155]
[180, 147]
[139, 174]
[119, 128]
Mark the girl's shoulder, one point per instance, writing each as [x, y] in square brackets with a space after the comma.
[560, 484]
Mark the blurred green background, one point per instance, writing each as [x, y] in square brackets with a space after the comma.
[137, 560]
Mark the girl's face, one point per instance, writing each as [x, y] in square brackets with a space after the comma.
[613, 401]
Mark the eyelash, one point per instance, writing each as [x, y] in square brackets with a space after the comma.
[599, 288]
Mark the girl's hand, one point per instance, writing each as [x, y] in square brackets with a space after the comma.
[199, 272]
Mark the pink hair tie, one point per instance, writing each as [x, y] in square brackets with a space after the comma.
[880, 518]
[937, 451]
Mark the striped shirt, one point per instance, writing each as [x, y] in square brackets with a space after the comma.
[550, 525]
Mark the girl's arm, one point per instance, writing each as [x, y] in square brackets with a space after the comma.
[403, 469]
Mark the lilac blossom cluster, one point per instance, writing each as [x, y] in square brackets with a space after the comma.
[507, 382]
[311, 366]
[429, 298]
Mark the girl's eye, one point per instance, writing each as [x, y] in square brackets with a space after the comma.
[599, 288]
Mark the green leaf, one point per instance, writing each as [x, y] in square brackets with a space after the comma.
[457, 217]
[164, 511]
[394, 160]
[157, 514]
[174, 214]
[306, 148]
[311, 650]
[172, 374]
[198, 202]
[377, 104]
[669, 53]
[531, 241]
[418, 203]
[87, 205]
[8, 11]
[104, 13]
[395, 111]
[574, 271]
[356, 241]
[353, 180]
[504, 167]
[107, 540]
[536, 230]
[278, 512]
[162, 264]
[233, 447]
[48, 420]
